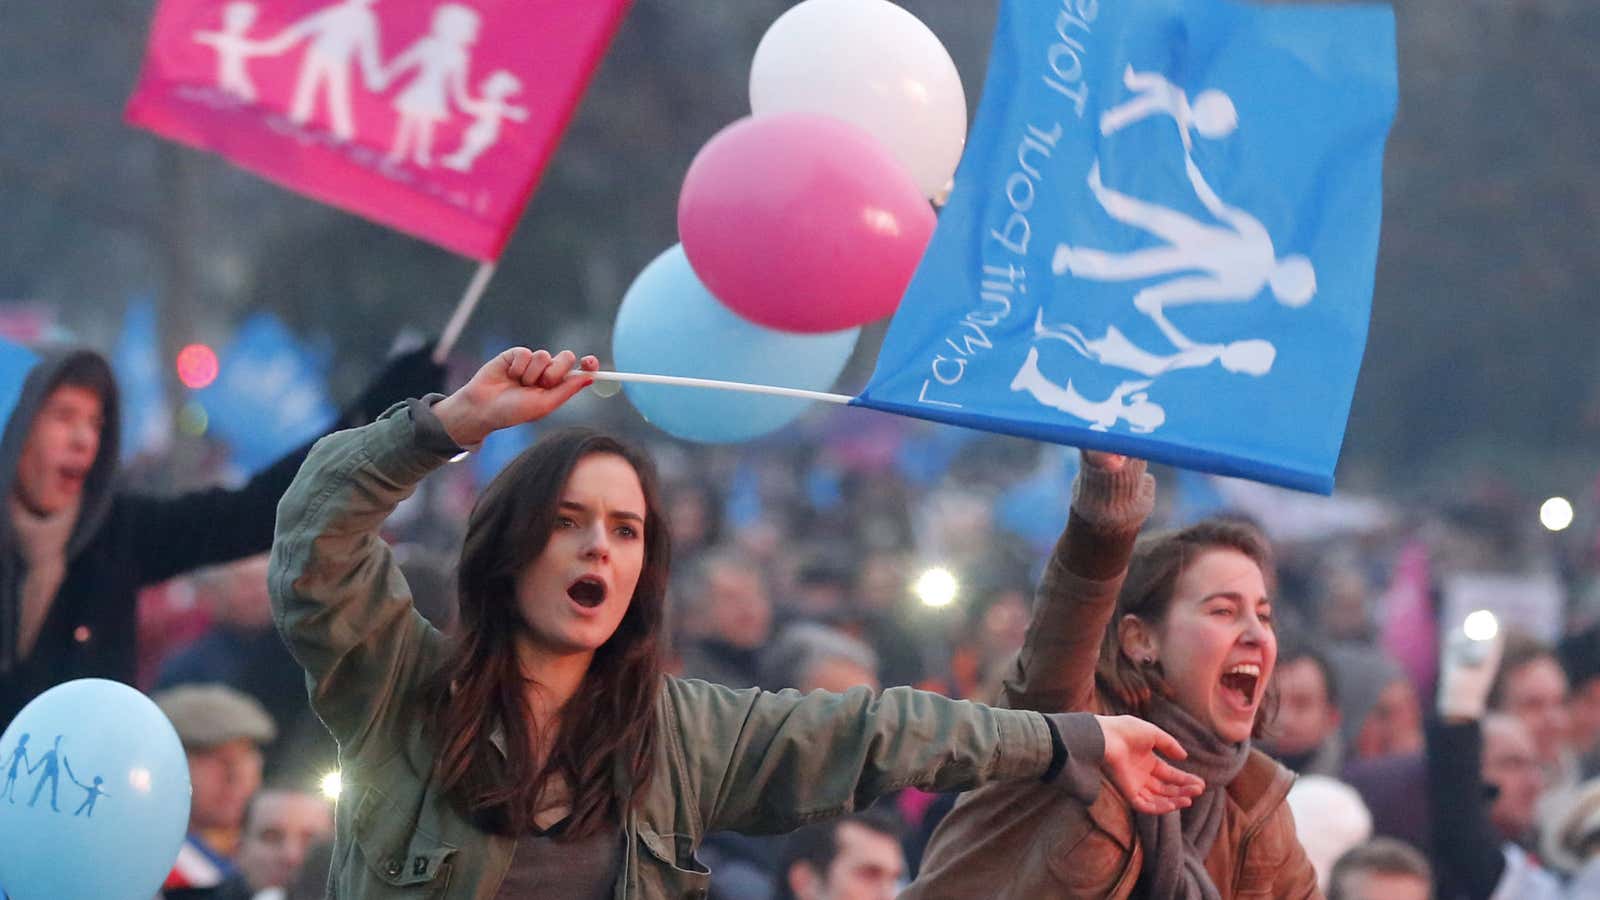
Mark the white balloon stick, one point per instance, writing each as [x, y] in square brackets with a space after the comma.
[711, 384]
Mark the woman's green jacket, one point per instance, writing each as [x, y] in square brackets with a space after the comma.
[742, 760]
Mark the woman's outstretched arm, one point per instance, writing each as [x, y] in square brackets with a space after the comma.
[772, 762]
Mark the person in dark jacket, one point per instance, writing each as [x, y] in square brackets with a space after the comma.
[75, 548]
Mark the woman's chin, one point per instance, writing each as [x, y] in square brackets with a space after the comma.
[1234, 735]
[1231, 727]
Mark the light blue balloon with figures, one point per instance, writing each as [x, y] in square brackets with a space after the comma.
[94, 795]
[670, 324]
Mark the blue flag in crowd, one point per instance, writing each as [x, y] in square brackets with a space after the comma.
[497, 452]
[1036, 507]
[15, 361]
[146, 421]
[269, 396]
[500, 447]
[1162, 236]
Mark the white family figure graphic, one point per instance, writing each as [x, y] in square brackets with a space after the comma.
[1234, 260]
[1142, 415]
[490, 110]
[1212, 113]
[346, 34]
[336, 37]
[1248, 357]
[234, 49]
[441, 60]
[1230, 260]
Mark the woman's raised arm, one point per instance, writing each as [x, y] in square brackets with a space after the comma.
[1054, 671]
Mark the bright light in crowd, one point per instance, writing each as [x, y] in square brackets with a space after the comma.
[936, 587]
[331, 785]
[197, 366]
[1556, 514]
[193, 419]
[1481, 626]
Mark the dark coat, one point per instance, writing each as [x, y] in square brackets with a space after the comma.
[123, 541]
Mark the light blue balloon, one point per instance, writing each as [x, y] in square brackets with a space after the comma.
[105, 807]
[669, 324]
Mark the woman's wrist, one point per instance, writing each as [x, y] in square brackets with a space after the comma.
[1114, 500]
[457, 417]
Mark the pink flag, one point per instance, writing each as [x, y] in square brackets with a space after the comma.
[1410, 631]
[435, 119]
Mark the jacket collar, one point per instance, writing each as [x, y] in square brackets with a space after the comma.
[1261, 786]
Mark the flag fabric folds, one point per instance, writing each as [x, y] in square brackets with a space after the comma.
[1162, 236]
[146, 419]
[270, 395]
[15, 363]
[435, 119]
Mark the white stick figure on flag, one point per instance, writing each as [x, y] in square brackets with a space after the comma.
[1230, 260]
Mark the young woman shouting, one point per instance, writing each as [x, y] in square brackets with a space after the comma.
[1176, 630]
[539, 751]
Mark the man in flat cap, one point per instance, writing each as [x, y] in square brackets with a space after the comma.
[222, 731]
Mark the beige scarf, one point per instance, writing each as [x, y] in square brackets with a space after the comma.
[42, 541]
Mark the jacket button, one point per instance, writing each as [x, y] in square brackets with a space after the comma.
[392, 867]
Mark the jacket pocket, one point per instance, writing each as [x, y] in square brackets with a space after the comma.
[397, 853]
[1088, 861]
[668, 868]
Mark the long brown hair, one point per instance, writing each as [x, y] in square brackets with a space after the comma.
[608, 728]
[1127, 687]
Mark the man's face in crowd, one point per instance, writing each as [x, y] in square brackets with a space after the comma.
[60, 449]
[868, 866]
[224, 778]
[1394, 726]
[1536, 693]
[1305, 717]
[282, 826]
[738, 610]
[1511, 764]
[1373, 885]
[1584, 710]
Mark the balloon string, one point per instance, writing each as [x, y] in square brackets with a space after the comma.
[711, 384]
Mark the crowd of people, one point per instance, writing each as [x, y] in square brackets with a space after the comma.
[1340, 752]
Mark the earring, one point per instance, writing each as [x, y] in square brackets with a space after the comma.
[1149, 661]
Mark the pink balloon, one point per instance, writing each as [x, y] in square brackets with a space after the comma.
[802, 222]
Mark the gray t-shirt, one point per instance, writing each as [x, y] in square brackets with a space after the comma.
[544, 866]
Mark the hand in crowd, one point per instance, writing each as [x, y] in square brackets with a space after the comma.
[1133, 762]
[1466, 673]
[1107, 462]
[517, 386]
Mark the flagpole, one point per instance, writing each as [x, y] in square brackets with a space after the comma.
[463, 312]
[680, 381]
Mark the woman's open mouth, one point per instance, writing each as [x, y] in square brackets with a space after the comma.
[1240, 682]
[588, 592]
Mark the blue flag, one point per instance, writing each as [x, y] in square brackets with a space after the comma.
[15, 363]
[1162, 236]
[1036, 507]
[146, 420]
[269, 396]
[497, 452]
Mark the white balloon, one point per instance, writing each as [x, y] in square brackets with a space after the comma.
[874, 65]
